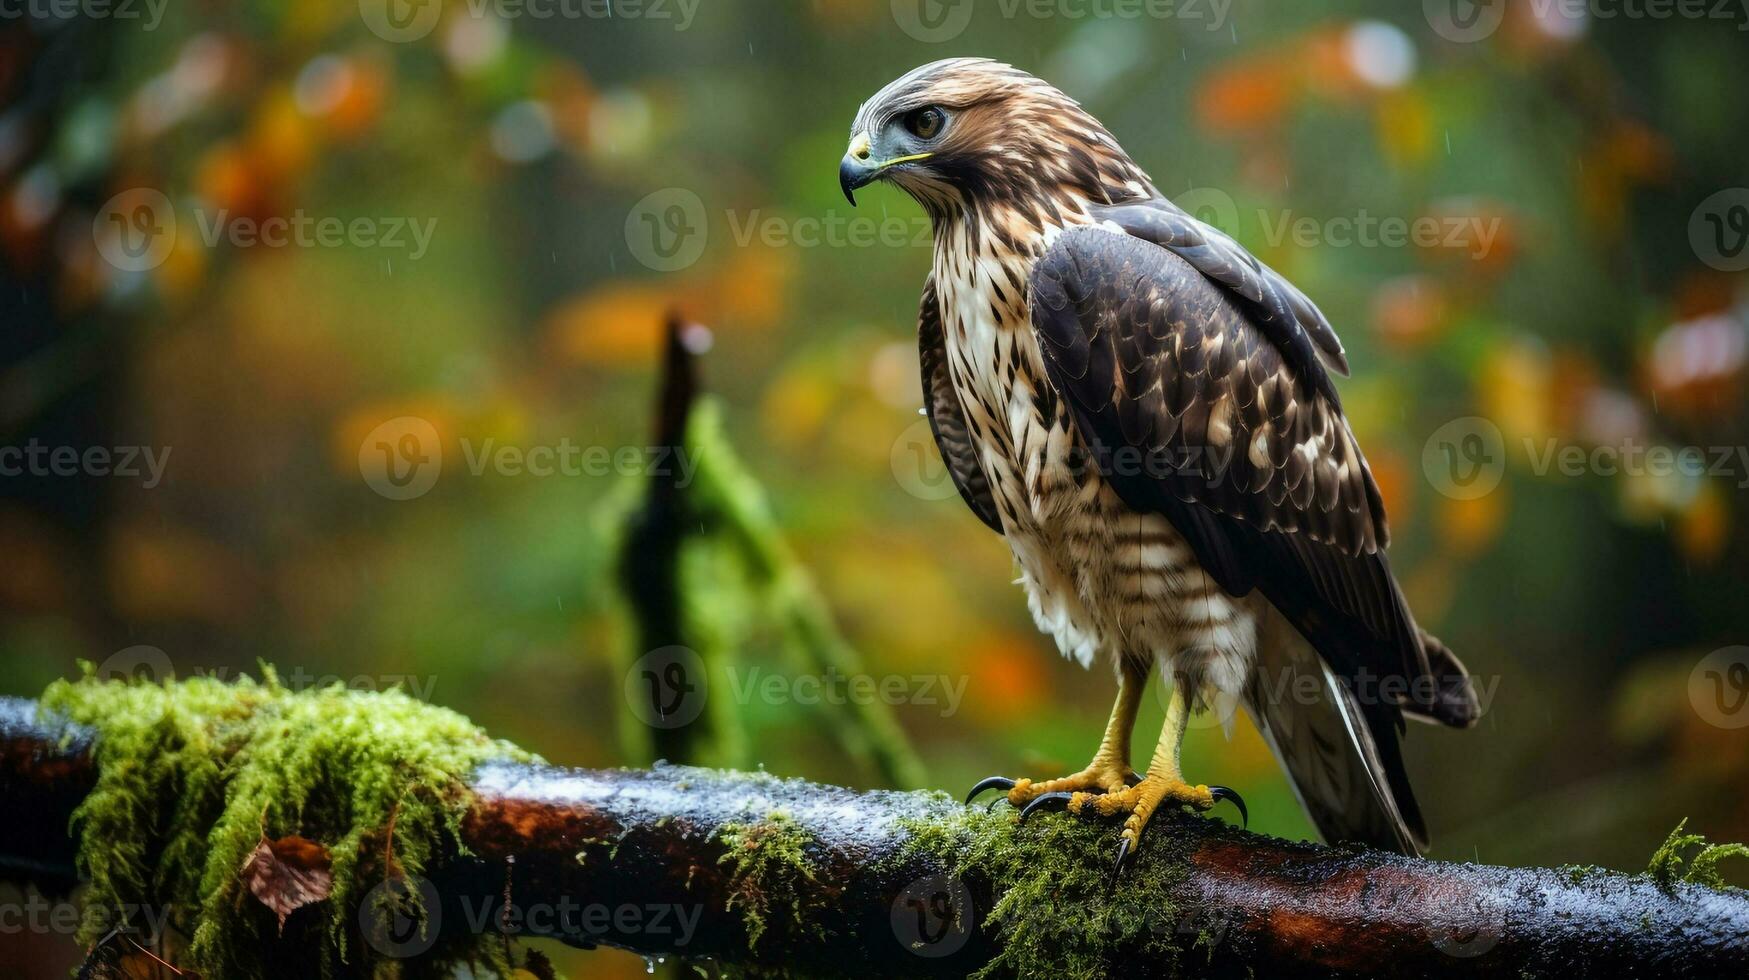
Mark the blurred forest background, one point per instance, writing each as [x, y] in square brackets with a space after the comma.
[577, 175]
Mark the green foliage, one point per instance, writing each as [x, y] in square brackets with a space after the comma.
[1666, 867]
[192, 774]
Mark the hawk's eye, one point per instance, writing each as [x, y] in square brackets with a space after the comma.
[926, 122]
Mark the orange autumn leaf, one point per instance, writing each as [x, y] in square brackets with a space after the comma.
[616, 325]
[1704, 529]
[751, 288]
[1243, 96]
[280, 145]
[224, 179]
[1468, 527]
[1409, 311]
[1395, 486]
[364, 89]
[1009, 672]
[351, 431]
[158, 573]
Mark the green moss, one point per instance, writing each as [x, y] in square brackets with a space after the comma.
[766, 860]
[1666, 867]
[192, 774]
[1054, 902]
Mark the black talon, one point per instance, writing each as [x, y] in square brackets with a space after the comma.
[1132, 778]
[1123, 858]
[1054, 801]
[1223, 793]
[988, 783]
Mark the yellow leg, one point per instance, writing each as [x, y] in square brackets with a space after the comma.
[1163, 783]
[1110, 769]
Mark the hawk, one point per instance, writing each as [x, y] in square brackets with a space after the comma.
[1146, 413]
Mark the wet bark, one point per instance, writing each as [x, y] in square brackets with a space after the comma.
[651, 861]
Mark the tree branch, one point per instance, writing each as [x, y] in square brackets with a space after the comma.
[786, 875]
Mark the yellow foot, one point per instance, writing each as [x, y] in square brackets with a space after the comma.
[1096, 778]
[1139, 802]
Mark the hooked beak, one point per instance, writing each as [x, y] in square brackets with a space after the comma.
[858, 167]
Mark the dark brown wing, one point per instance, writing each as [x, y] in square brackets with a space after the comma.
[1195, 410]
[946, 419]
[1277, 307]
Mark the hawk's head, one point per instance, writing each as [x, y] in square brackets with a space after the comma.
[971, 132]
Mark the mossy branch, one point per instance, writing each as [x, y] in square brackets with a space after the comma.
[760, 875]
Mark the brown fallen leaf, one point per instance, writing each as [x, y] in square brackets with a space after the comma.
[288, 874]
[120, 957]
